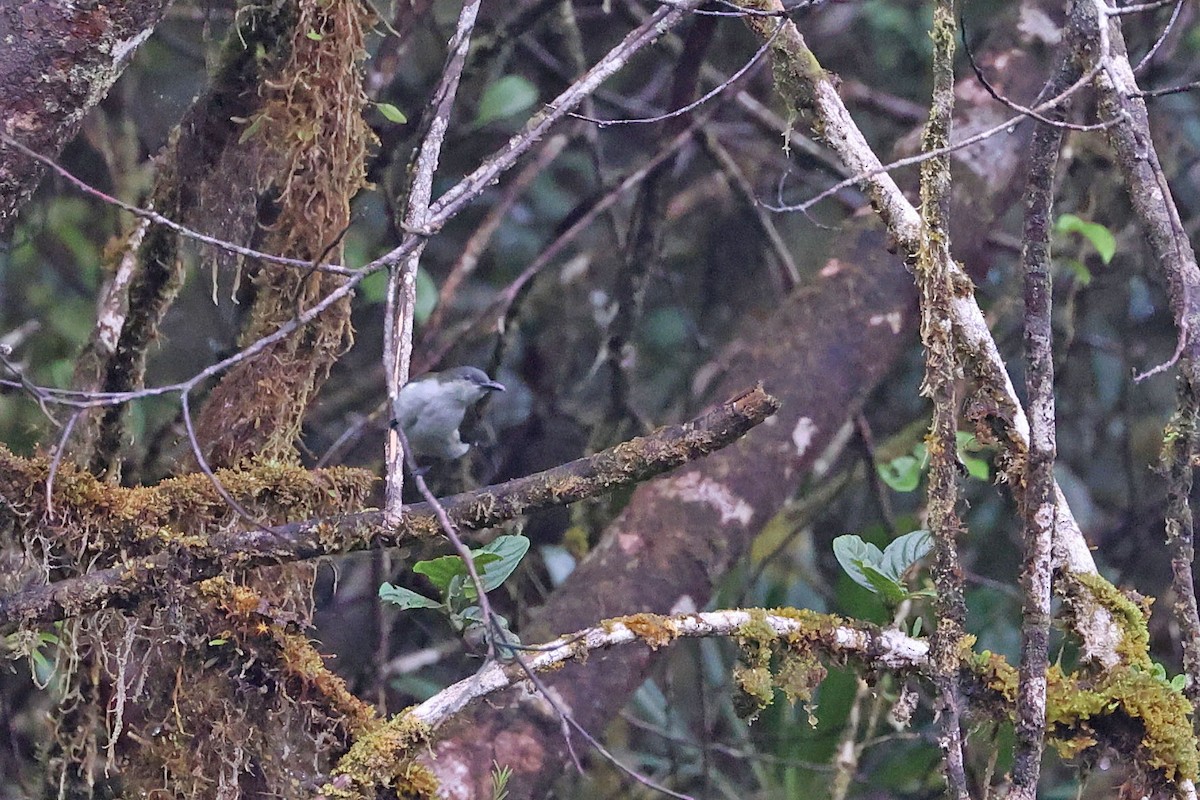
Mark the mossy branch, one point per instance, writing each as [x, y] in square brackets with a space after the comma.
[201, 556]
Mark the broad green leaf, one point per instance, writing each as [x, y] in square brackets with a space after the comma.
[852, 552]
[441, 571]
[977, 468]
[902, 474]
[391, 113]
[1098, 236]
[903, 552]
[510, 95]
[508, 552]
[892, 591]
[405, 598]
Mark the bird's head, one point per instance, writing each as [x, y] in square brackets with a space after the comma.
[467, 383]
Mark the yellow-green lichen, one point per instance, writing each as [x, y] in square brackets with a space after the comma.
[1129, 612]
[1077, 706]
[385, 757]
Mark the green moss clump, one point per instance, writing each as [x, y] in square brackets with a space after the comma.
[385, 757]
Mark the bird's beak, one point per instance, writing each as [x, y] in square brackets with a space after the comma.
[499, 387]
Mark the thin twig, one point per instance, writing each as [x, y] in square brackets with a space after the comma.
[157, 218]
[867, 170]
[716, 90]
[464, 552]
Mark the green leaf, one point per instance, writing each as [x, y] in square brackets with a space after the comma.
[892, 591]
[427, 296]
[405, 598]
[510, 95]
[967, 446]
[507, 552]
[852, 553]
[316, 37]
[442, 571]
[1097, 235]
[903, 552]
[391, 113]
[902, 474]
[977, 468]
[1083, 275]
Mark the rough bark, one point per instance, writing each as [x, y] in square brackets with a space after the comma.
[58, 60]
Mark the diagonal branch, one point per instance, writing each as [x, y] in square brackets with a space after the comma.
[628, 463]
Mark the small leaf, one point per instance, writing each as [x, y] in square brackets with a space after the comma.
[316, 37]
[903, 552]
[918, 624]
[1179, 682]
[1097, 235]
[968, 447]
[391, 113]
[255, 125]
[1083, 275]
[405, 598]
[852, 553]
[977, 468]
[427, 296]
[510, 95]
[902, 474]
[892, 591]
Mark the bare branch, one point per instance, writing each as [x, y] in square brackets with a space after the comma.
[402, 278]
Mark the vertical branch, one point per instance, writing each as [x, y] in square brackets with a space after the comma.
[1039, 505]
[402, 278]
[1181, 441]
[942, 370]
[1137, 159]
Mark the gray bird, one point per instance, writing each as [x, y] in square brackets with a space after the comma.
[430, 409]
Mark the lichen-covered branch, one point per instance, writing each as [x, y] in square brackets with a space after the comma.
[998, 414]
[385, 757]
[85, 505]
[402, 278]
[58, 61]
[1083, 713]
[1153, 203]
[935, 285]
[1039, 502]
